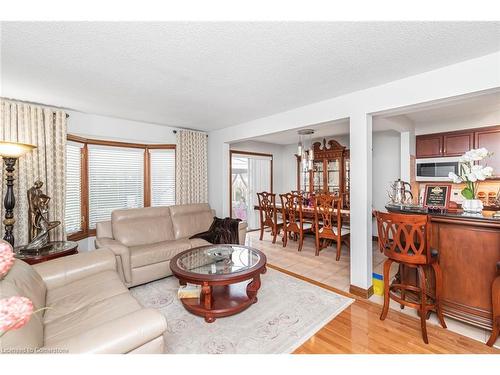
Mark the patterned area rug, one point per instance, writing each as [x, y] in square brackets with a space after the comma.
[288, 312]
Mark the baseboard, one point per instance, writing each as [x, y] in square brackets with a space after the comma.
[360, 292]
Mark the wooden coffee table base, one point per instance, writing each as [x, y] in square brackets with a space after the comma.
[217, 301]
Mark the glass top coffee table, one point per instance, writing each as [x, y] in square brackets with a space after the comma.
[229, 276]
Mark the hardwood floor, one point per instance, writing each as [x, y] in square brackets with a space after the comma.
[358, 329]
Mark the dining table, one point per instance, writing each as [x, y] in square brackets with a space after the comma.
[308, 211]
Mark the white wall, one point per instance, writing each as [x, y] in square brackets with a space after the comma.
[110, 128]
[289, 167]
[386, 166]
[386, 162]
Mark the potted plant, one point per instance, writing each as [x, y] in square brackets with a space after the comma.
[471, 174]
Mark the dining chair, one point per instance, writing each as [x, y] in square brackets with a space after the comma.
[405, 239]
[268, 214]
[328, 222]
[293, 218]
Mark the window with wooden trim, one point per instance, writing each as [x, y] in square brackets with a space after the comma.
[162, 165]
[103, 176]
[116, 180]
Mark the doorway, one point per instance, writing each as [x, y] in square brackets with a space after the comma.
[251, 173]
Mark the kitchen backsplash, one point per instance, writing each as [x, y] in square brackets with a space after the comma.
[488, 191]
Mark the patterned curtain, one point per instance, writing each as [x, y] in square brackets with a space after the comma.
[191, 184]
[46, 129]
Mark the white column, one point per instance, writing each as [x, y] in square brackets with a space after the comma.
[361, 200]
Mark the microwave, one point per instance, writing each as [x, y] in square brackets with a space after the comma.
[436, 169]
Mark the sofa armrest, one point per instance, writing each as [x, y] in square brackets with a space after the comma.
[242, 231]
[121, 251]
[61, 271]
[118, 336]
[104, 229]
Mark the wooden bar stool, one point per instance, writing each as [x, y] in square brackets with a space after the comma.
[405, 239]
[268, 214]
[327, 212]
[293, 218]
[495, 299]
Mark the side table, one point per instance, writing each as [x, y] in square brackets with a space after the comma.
[53, 250]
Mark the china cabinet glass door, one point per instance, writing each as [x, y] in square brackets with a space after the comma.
[318, 176]
[347, 176]
[333, 175]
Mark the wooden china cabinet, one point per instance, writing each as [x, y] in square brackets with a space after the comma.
[330, 173]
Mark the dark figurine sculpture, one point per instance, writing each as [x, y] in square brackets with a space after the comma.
[38, 218]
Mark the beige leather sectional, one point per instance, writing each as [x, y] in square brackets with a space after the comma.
[90, 310]
[145, 239]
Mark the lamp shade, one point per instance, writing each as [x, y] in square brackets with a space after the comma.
[14, 150]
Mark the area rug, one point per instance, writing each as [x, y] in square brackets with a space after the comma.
[288, 312]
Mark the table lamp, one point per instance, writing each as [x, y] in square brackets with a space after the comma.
[10, 152]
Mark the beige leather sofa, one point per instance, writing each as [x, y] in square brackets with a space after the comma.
[145, 239]
[89, 309]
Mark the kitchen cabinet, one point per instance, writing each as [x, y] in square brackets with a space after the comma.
[489, 138]
[457, 144]
[429, 146]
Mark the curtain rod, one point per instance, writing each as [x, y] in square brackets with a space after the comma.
[175, 132]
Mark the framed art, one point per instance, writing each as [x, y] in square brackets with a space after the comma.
[437, 195]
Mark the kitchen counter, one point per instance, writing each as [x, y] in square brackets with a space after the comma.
[469, 249]
[485, 218]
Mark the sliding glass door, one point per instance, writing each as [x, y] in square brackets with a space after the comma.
[251, 173]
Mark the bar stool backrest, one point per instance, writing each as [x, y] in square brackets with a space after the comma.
[404, 238]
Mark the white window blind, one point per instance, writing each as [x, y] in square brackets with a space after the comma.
[116, 180]
[73, 215]
[162, 177]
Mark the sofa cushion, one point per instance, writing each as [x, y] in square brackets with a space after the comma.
[189, 219]
[80, 294]
[140, 226]
[158, 252]
[28, 282]
[90, 317]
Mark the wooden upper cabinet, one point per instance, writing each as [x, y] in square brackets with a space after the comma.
[456, 144]
[429, 146]
[459, 142]
[489, 138]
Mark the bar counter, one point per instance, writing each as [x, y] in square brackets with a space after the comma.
[469, 249]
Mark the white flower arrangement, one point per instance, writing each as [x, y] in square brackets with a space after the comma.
[471, 173]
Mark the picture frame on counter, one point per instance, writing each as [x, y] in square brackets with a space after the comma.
[437, 195]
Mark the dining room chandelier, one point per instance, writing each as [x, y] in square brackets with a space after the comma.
[305, 148]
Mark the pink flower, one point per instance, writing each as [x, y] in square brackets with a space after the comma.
[15, 312]
[6, 258]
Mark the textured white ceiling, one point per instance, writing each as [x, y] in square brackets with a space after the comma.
[212, 75]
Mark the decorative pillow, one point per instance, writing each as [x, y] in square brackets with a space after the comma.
[222, 231]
